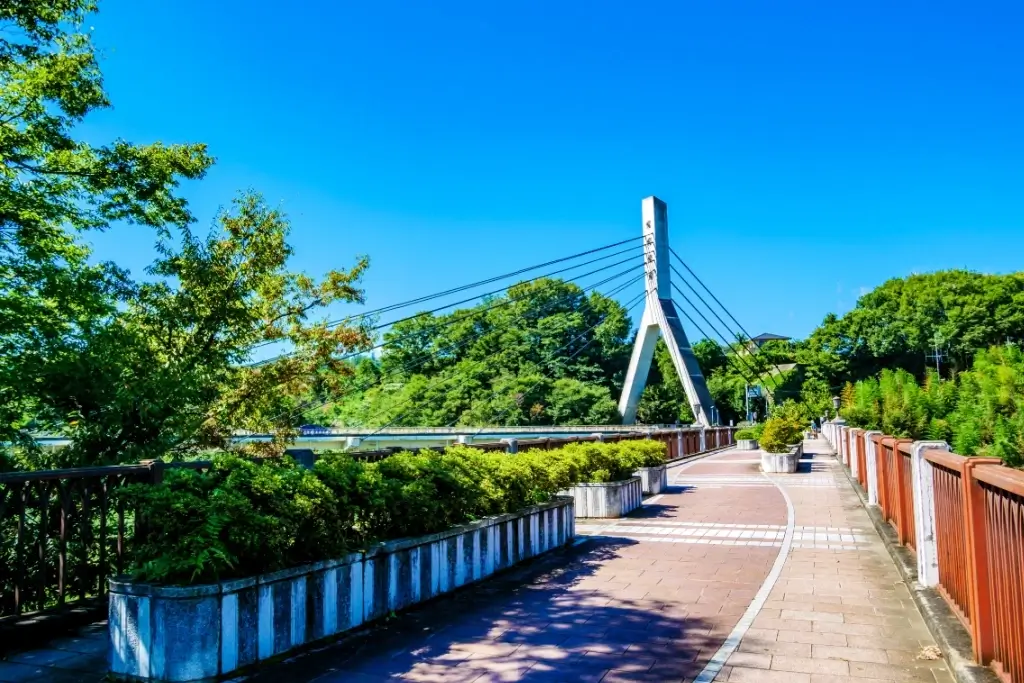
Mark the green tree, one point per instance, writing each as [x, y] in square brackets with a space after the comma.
[169, 372]
[902, 321]
[545, 352]
[54, 187]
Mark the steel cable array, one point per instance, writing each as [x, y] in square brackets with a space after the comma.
[313, 405]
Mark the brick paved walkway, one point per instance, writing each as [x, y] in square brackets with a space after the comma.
[686, 589]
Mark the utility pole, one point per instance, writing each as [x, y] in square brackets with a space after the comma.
[938, 355]
[746, 400]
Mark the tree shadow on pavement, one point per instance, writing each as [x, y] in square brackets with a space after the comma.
[562, 617]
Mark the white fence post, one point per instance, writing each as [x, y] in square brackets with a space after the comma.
[871, 461]
[854, 460]
[923, 482]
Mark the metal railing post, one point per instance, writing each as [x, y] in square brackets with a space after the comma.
[982, 635]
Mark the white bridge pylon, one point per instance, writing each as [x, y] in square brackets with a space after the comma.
[660, 316]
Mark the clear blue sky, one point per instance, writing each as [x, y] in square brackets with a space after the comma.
[807, 151]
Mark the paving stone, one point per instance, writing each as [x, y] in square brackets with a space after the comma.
[644, 602]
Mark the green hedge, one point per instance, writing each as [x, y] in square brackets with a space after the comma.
[780, 432]
[746, 434]
[245, 517]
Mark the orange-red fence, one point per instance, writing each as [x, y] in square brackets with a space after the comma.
[971, 514]
[862, 462]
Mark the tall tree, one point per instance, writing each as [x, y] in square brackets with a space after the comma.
[170, 372]
[903, 321]
[136, 369]
[54, 186]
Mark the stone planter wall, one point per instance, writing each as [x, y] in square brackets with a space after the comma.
[613, 499]
[197, 633]
[653, 480]
[782, 463]
[746, 444]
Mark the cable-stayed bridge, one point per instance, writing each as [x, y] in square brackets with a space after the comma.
[643, 272]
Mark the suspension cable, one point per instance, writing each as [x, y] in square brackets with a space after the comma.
[474, 298]
[705, 334]
[550, 306]
[712, 295]
[720, 335]
[472, 285]
[465, 379]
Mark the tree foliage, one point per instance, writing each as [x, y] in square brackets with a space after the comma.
[131, 369]
[54, 187]
[545, 352]
[901, 322]
[980, 412]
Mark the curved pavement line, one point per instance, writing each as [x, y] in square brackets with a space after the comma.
[714, 667]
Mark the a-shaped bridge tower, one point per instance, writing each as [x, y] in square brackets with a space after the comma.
[660, 317]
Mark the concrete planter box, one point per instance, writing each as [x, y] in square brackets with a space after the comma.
[200, 633]
[746, 444]
[613, 499]
[653, 480]
[782, 463]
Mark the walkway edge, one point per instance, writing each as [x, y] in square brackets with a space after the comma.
[950, 635]
[714, 667]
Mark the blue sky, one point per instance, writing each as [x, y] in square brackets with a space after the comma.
[808, 151]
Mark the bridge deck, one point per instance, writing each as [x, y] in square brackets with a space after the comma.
[720, 569]
[730, 576]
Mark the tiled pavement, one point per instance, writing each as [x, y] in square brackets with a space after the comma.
[688, 588]
[718, 579]
[80, 657]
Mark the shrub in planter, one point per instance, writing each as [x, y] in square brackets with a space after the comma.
[645, 453]
[243, 517]
[746, 434]
[779, 434]
[247, 517]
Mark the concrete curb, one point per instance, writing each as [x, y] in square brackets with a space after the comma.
[950, 635]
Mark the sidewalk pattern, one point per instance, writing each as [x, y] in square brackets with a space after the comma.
[689, 588]
[728, 576]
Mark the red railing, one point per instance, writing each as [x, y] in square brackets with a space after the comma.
[862, 463]
[978, 525]
[907, 528]
[888, 497]
[997, 507]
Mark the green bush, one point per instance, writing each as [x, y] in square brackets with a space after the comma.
[779, 434]
[245, 517]
[746, 433]
[646, 453]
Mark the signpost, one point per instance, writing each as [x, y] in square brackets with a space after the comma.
[751, 392]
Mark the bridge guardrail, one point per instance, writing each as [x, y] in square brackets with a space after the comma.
[963, 520]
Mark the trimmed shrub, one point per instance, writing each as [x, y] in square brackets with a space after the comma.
[746, 433]
[779, 434]
[246, 517]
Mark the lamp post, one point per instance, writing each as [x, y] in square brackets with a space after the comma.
[835, 404]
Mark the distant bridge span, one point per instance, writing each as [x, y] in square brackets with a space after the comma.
[353, 438]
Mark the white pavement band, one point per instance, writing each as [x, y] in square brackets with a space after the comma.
[732, 642]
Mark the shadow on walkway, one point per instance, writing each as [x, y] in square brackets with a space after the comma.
[533, 623]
